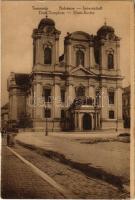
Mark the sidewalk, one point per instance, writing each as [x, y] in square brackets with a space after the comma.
[18, 181]
[112, 157]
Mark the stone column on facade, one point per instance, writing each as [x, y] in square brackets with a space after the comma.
[103, 55]
[57, 51]
[37, 56]
[118, 57]
[29, 104]
[104, 103]
[68, 53]
[92, 121]
[76, 120]
[54, 56]
[91, 91]
[34, 100]
[80, 118]
[92, 57]
[56, 100]
[70, 94]
[95, 120]
[37, 99]
[118, 104]
[13, 105]
[87, 56]
[98, 120]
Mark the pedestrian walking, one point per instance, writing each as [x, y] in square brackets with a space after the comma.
[3, 132]
[11, 133]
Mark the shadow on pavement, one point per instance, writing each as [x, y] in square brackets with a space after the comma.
[88, 170]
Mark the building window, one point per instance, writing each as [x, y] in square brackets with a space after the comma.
[111, 114]
[62, 114]
[47, 95]
[79, 58]
[47, 55]
[111, 97]
[80, 92]
[90, 101]
[97, 97]
[63, 95]
[110, 61]
[47, 113]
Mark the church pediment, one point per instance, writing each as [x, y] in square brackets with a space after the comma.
[81, 71]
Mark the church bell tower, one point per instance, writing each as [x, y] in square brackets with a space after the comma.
[45, 45]
[108, 50]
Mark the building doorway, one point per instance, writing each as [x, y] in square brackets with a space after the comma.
[87, 122]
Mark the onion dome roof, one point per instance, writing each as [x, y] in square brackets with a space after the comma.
[46, 22]
[104, 30]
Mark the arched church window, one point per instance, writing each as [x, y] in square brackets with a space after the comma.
[80, 92]
[110, 61]
[47, 112]
[62, 95]
[111, 97]
[47, 55]
[89, 101]
[79, 58]
[98, 97]
[47, 94]
[111, 114]
[62, 114]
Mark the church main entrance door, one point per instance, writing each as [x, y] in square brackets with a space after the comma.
[87, 122]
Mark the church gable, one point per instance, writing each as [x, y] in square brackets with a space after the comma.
[81, 71]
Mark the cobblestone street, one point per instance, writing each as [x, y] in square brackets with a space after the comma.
[18, 181]
[111, 156]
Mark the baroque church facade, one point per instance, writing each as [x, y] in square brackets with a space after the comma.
[80, 90]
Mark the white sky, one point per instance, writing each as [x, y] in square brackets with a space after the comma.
[19, 20]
